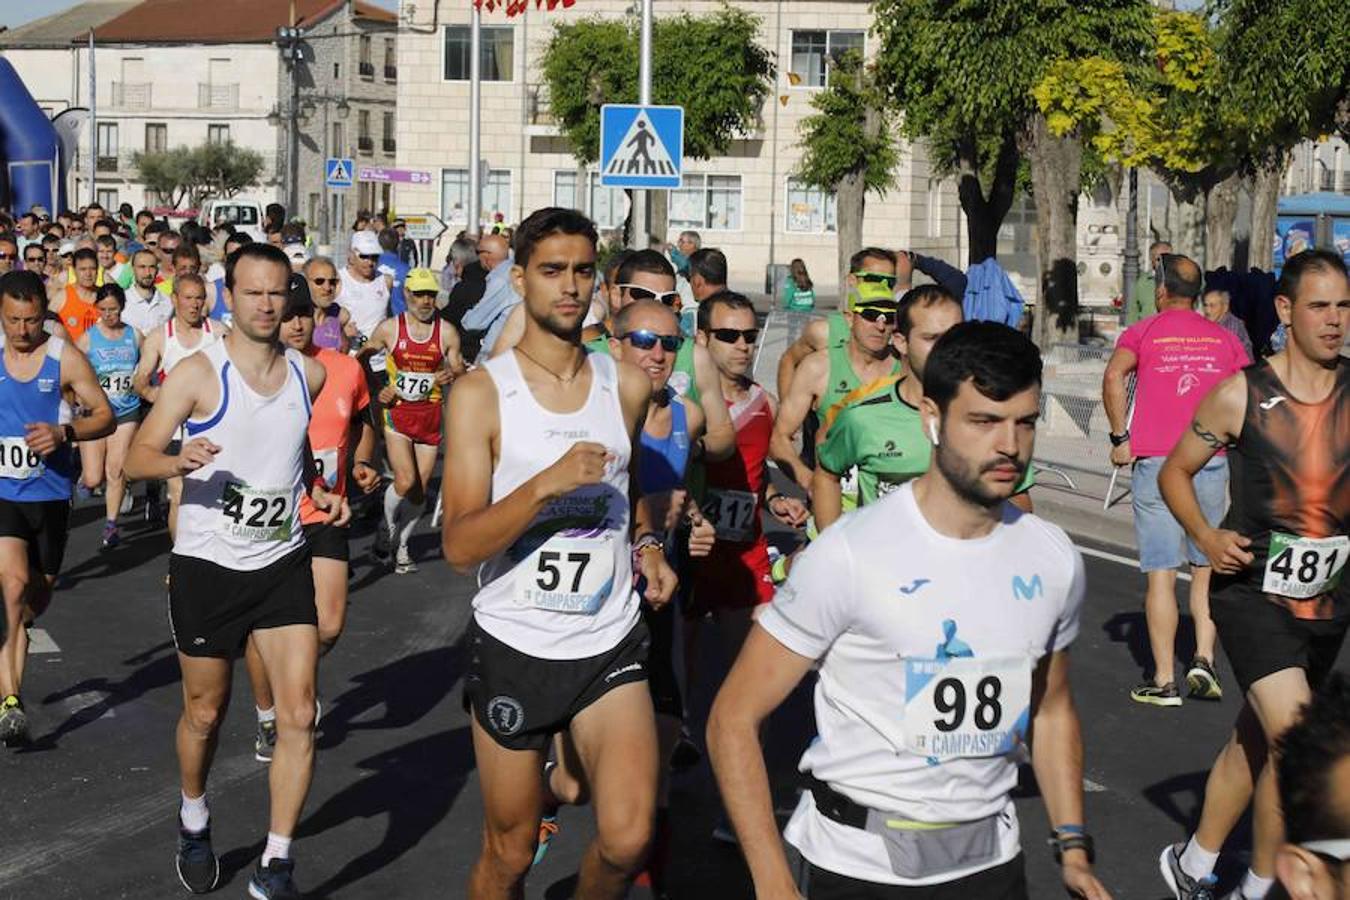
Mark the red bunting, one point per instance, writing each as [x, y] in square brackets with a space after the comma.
[518, 6]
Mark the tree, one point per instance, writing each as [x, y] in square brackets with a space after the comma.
[710, 65]
[848, 148]
[192, 174]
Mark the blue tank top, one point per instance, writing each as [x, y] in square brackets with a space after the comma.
[219, 311]
[663, 459]
[114, 361]
[26, 477]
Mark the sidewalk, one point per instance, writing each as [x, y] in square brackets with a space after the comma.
[1073, 500]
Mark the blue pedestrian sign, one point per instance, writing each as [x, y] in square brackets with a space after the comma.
[338, 173]
[641, 146]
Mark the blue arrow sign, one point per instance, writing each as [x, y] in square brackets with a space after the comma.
[338, 172]
[641, 146]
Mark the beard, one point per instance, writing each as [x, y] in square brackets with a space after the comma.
[566, 328]
[964, 476]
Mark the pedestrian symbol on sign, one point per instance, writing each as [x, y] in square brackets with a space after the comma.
[642, 153]
[641, 146]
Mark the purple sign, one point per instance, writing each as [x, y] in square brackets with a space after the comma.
[404, 176]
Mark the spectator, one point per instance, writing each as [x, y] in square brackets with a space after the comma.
[1141, 304]
[1217, 304]
[799, 294]
[274, 216]
[463, 254]
[685, 246]
[484, 321]
[407, 247]
[907, 262]
[393, 268]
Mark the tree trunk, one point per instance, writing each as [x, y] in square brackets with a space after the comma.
[1265, 198]
[850, 194]
[1056, 170]
[1188, 222]
[1221, 204]
[985, 213]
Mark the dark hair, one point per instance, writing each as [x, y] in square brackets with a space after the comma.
[856, 260]
[23, 286]
[800, 277]
[106, 223]
[549, 221]
[240, 238]
[114, 290]
[648, 261]
[615, 263]
[1300, 264]
[82, 254]
[159, 226]
[1179, 278]
[1000, 360]
[186, 250]
[388, 239]
[106, 240]
[142, 213]
[924, 296]
[6, 237]
[276, 212]
[729, 299]
[254, 250]
[710, 264]
[1308, 755]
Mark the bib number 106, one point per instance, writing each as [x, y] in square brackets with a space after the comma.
[951, 701]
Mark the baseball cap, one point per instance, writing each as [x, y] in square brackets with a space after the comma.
[364, 243]
[298, 300]
[296, 253]
[67, 248]
[421, 280]
[870, 293]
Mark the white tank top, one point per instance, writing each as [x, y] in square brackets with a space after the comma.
[174, 349]
[368, 304]
[564, 589]
[243, 510]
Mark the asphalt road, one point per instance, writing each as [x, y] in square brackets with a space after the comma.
[89, 809]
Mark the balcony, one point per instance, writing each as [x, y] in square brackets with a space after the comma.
[217, 96]
[391, 73]
[130, 95]
[389, 145]
[106, 163]
[366, 69]
[365, 144]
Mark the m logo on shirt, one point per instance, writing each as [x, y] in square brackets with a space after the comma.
[1026, 590]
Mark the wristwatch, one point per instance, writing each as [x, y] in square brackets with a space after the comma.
[1118, 439]
[1063, 841]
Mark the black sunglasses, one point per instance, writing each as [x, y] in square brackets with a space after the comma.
[370, 257]
[646, 340]
[35, 259]
[325, 282]
[731, 335]
[9, 256]
[875, 314]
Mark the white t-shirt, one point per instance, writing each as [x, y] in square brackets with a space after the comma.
[926, 646]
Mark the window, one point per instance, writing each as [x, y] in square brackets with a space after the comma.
[365, 48]
[217, 134]
[337, 71]
[934, 207]
[364, 142]
[812, 52]
[365, 67]
[388, 133]
[810, 210]
[497, 56]
[107, 198]
[106, 152]
[707, 201]
[455, 195]
[390, 64]
[608, 207]
[156, 137]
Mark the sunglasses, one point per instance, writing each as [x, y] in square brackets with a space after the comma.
[876, 278]
[638, 292]
[431, 294]
[9, 256]
[876, 314]
[325, 282]
[370, 257]
[35, 259]
[646, 340]
[731, 335]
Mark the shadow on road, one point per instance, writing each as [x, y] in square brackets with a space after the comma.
[132, 554]
[153, 674]
[407, 689]
[1131, 629]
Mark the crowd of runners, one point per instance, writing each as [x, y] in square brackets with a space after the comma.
[605, 462]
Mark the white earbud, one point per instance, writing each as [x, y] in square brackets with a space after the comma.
[932, 432]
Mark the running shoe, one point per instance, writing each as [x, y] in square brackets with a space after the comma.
[548, 830]
[111, 536]
[1183, 886]
[274, 882]
[127, 501]
[13, 722]
[778, 563]
[1203, 681]
[265, 740]
[198, 867]
[382, 548]
[1148, 692]
[403, 562]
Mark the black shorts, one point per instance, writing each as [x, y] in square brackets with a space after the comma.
[43, 525]
[1262, 638]
[522, 700]
[213, 609]
[327, 541]
[1004, 882]
[661, 680]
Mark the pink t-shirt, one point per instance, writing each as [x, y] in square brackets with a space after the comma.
[1182, 355]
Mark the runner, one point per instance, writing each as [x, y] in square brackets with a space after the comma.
[181, 336]
[540, 440]
[240, 566]
[333, 326]
[881, 432]
[421, 359]
[337, 426]
[37, 470]
[1278, 599]
[365, 294]
[917, 754]
[147, 309]
[73, 303]
[113, 349]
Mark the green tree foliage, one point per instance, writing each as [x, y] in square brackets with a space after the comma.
[192, 174]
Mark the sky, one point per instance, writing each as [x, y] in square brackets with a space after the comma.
[17, 12]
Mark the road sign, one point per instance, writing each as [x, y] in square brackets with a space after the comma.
[641, 146]
[337, 172]
[423, 228]
[402, 176]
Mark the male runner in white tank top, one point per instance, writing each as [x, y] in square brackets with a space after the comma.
[540, 442]
[240, 565]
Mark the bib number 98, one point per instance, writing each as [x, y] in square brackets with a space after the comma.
[949, 698]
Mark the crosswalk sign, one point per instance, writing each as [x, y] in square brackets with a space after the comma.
[338, 172]
[641, 146]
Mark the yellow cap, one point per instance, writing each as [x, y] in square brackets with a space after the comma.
[419, 280]
[869, 293]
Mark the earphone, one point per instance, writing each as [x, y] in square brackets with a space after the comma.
[932, 432]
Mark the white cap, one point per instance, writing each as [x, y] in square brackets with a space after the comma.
[364, 243]
[67, 248]
[296, 253]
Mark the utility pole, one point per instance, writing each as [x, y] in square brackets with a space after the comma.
[1130, 272]
[93, 129]
[475, 121]
[288, 39]
[641, 204]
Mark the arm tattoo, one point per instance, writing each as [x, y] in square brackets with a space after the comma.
[1208, 437]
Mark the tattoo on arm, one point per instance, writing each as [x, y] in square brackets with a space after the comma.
[1208, 437]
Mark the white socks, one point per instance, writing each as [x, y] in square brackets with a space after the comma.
[1254, 887]
[400, 517]
[193, 813]
[266, 715]
[1196, 861]
[392, 501]
[278, 847]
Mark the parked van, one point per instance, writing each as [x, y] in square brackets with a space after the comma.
[244, 213]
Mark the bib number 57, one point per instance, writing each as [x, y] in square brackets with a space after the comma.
[549, 574]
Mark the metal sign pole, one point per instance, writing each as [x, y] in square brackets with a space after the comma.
[93, 130]
[641, 200]
[475, 119]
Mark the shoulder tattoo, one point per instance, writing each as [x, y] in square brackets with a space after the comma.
[1207, 436]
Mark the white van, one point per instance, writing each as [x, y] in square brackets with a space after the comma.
[244, 213]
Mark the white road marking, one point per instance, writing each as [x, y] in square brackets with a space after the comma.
[1123, 560]
[39, 641]
[76, 703]
[1093, 787]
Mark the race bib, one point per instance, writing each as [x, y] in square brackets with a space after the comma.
[848, 484]
[326, 461]
[567, 575]
[257, 514]
[116, 384]
[1302, 568]
[414, 385]
[966, 706]
[732, 514]
[19, 461]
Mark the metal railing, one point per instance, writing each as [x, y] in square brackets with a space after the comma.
[366, 69]
[389, 145]
[131, 95]
[390, 73]
[217, 96]
[538, 110]
[365, 144]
